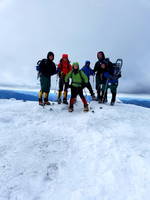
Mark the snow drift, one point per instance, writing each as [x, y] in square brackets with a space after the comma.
[56, 155]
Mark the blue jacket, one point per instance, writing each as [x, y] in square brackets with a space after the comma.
[88, 71]
[111, 76]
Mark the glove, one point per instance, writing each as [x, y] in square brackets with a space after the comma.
[57, 70]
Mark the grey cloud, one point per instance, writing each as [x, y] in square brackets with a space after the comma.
[80, 28]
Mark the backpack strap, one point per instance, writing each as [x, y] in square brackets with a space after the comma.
[81, 76]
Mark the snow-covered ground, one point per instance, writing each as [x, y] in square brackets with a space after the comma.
[54, 155]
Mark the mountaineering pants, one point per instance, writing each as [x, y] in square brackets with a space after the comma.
[112, 86]
[99, 84]
[62, 84]
[74, 92]
[45, 82]
[89, 87]
[113, 89]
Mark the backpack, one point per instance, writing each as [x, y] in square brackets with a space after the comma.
[38, 66]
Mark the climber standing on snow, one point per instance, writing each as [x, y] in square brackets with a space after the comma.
[46, 69]
[99, 74]
[64, 68]
[112, 76]
[78, 79]
[88, 72]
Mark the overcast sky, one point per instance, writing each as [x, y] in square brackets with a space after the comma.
[81, 28]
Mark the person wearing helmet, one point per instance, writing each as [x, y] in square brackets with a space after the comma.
[64, 68]
[88, 71]
[78, 79]
[47, 68]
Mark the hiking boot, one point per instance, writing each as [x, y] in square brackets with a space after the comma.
[70, 108]
[112, 103]
[41, 102]
[100, 101]
[47, 103]
[65, 101]
[59, 100]
[86, 108]
[105, 101]
[93, 97]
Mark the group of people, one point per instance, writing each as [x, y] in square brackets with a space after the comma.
[104, 71]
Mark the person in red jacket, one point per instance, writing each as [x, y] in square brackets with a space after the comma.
[64, 68]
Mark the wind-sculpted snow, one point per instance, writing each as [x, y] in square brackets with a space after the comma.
[56, 155]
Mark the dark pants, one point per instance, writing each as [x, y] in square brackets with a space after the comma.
[74, 92]
[99, 85]
[45, 83]
[62, 84]
[89, 87]
[113, 89]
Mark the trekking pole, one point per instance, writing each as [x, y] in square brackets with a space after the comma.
[56, 84]
[94, 89]
[93, 82]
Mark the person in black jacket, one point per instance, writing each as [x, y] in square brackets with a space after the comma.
[99, 70]
[47, 68]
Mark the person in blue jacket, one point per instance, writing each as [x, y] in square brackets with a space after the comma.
[88, 71]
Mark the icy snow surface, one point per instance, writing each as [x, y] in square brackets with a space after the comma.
[56, 155]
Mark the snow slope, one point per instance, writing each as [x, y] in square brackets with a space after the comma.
[54, 155]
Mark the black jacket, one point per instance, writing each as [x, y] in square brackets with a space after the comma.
[47, 67]
[97, 68]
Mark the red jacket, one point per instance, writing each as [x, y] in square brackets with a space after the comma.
[64, 66]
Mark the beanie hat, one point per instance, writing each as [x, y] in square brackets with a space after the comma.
[101, 52]
[87, 62]
[65, 56]
[50, 54]
[75, 63]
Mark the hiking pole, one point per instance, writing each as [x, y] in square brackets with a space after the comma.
[94, 84]
[56, 84]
